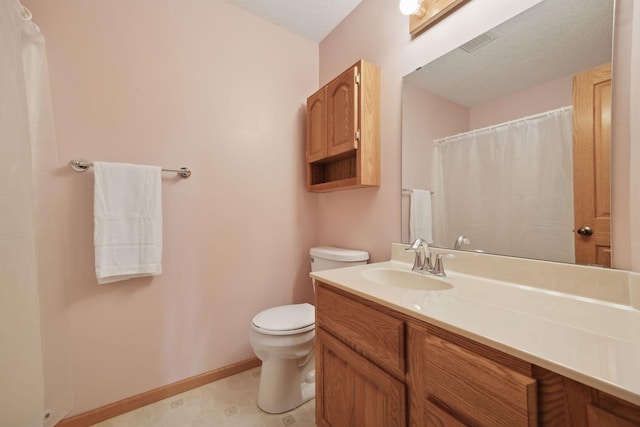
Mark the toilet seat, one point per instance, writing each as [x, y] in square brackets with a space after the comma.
[285, 319]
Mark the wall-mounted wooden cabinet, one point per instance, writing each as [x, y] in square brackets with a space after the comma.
[343, 131]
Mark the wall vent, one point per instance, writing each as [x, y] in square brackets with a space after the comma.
[478, 42]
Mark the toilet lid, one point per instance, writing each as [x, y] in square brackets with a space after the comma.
[291, 317]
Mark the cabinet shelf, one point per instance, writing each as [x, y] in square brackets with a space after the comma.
[340, 171]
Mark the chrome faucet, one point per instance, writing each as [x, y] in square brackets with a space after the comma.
[420, 261]
[462, 240]
[423, 263]
[438, 267]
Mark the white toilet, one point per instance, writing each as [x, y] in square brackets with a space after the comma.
[283, 338]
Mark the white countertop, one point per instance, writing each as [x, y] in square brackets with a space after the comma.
[593, 341]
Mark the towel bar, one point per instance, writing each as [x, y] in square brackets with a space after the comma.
[81, 165]
[407, 190]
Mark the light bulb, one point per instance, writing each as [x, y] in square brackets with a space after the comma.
[409, 7]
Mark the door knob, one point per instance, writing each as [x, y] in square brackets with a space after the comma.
[585, 231]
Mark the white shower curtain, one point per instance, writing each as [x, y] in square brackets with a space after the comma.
[35, 367]
[509, 188]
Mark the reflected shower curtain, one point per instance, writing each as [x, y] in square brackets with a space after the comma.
[35, 367]
[509, 188]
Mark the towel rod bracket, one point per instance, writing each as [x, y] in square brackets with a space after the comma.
[184, 172]
[79, 165]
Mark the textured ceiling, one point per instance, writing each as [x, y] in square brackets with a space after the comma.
[553, 39]
[312, 19]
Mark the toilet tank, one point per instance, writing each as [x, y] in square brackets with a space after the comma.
[327, 257]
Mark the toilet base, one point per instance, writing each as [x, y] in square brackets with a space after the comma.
[285, 385]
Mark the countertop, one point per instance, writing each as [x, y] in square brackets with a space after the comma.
[593, 341]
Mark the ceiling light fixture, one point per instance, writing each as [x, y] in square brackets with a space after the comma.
[412, 7]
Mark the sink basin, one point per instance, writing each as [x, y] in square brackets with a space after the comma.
[403, 279]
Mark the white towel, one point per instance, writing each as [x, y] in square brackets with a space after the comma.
[420, 216]
[127, 221]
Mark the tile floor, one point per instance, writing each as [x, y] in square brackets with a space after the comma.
[224, 403]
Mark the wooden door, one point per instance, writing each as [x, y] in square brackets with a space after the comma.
[317, 126]
[342, 113]
[352, 391]
[592, 165]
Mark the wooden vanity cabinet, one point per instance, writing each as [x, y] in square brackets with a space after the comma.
[343, 131]
[379, 367]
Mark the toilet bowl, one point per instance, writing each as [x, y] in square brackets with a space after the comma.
[283, 339]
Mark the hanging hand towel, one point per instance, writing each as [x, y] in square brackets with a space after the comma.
[127, 221]
[420, 216]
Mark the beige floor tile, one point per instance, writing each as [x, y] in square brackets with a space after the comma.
[230, 402]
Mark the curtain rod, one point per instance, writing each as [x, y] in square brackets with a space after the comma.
[81, 165]
[511, 122]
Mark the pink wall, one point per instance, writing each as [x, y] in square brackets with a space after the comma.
[425, 117]
[625, 152]
[547, 96]
[200, 84]
[633, 231]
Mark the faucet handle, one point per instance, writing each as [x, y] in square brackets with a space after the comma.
[420, 262]
[438, 267]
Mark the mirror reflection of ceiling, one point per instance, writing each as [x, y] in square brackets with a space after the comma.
[554, 38]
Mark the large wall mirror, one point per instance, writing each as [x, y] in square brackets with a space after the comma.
[488, 130]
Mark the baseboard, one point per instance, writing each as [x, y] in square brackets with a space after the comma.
[134, 402]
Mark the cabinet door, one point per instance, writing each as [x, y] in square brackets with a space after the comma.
[342, 113]
[352, 391]
[598, 417]
[317, 126]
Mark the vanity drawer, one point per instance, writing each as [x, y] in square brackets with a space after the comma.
[474, 389]
[365, 328]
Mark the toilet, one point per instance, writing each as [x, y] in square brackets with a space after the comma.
[283, 339]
